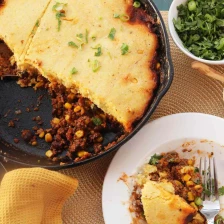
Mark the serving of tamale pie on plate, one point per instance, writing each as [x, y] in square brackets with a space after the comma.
[96, 79]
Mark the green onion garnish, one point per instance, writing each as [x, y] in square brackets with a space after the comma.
[72, 44]
[124, 49]
[99, 50]
[95, 65]
[116, 15]
[79, 37]
[93, 38]
[137, 4]
[37, 23]
[112, 33]
[221, 191]
[74, 71]
[124, 17]
[58, 7]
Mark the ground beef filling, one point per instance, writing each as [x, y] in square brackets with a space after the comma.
[184, 177]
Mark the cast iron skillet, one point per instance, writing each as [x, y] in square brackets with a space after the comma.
[13, 98]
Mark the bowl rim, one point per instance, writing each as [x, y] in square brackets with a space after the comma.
[178, 41]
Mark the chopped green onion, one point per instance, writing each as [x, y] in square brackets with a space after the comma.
[74, 71]
[124, 17]
[137, 4]
[198, 201]
[79, 37]
[98, 52]
[93, 38]
[192, 6]
[95, 65]
[37, 23]
[87, 36]
[96, 121]
[58, 7]
[155, 159]
[72, 44]
[196, 170]
[116, 15]
[109, 54]
[124, 49]
[112, 33]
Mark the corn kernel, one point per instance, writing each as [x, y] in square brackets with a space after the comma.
[68, 106]
[34, 143]
[48, 137]
[190, 183]
[82, 111]
[49, 153]
[194, 206]
[186, 177]
[198, 187]
[41, 135]
[190, 162]
[100, 139]
[190, 196]
[67, 117]
[79, 134]
[77, 109]
[56, 120]
[82, 153]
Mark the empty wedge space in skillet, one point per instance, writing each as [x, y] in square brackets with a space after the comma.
[102, 49]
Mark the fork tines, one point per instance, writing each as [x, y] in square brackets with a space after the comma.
[208, 174]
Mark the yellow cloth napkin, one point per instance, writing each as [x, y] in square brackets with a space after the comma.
[34, 196]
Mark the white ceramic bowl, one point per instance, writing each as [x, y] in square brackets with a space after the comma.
[173, 14]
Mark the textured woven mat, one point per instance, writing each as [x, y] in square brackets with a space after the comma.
[190, 92]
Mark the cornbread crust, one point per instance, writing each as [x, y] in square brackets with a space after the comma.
[18, 19]
[124, 84]
[159, 205]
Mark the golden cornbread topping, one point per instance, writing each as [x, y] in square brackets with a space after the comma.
[108, 56]
[168, 190]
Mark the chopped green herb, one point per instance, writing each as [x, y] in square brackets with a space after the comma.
[221, 191]
[95, 65]
[198, 201]
[109, 54]
[124, 49]
[116, 15]
[196, 170]
[79, 37]
[74, 71]
[87, 36]
[203, 172]
[73, 44]
[155, 159]
[96, 121]
[99, 50]
[112, 33]
[207, 192]
[37, 23]
[199, 25]
[137, 4]
[93, 38]
[60, 13]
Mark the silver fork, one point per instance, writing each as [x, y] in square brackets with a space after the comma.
[210, 196]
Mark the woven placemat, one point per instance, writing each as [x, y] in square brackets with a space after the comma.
[190, 92]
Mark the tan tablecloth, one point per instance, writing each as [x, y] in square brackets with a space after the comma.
[190, 92]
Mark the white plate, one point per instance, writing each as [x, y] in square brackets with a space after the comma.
[175, 132]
